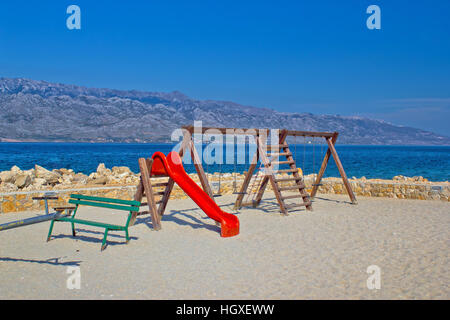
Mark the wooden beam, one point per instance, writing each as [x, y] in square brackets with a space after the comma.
[309, 134]
[341, 171]
[145, 168]
[262, 189]
[137, 197]
[246, 182]
[168, 190]
[245, 131]
[200, 171]
[326, 158]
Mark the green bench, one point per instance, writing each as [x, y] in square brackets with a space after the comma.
[117, 204]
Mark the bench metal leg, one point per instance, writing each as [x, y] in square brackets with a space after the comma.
[104, 239]
[127, 237]
[73, 230]
[50, 230]
[73, 224]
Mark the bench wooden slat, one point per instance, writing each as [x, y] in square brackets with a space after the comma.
[104, 205]
[108, 200]
[45, 198]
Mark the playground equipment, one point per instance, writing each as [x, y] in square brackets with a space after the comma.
[266, 172]
[60, 212]
[29, 221]
[218, 192]
[252, 188]
[171, 166]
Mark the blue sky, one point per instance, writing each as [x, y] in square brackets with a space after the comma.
[293, 56]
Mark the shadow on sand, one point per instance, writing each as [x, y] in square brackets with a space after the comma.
[98, 239]
[51, 261]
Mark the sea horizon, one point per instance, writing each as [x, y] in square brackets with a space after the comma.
[370, 161]
[174, 143]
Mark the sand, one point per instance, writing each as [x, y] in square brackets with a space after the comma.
[322, 254]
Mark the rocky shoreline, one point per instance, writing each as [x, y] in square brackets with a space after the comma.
[17, 187]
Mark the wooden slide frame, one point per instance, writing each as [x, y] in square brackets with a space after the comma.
[145, 187]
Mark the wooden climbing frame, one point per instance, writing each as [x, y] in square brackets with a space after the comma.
[283, 146]
[279, 149]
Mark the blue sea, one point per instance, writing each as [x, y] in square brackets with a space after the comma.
[384, 162]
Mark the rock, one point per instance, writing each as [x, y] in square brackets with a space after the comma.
[67, 179]
[7, 177]
[22, 181]
[121, 170]
[38, 182]
[15, 170]
[41, 172]
[9, 187]
[63, 171]
[419, 179]
[113, 180]
[99, 180]
[50, 176]
[79, 176]
[30, 173]
[102, 170]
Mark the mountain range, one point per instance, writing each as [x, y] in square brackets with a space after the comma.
[33, 110]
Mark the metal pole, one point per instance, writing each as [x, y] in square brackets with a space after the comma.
[25, 222]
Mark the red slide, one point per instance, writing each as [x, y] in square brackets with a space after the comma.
[173, 167]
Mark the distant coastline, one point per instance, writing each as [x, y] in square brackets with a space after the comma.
[140, 117]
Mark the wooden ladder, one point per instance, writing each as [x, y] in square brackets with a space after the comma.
[282, 150]
[147, 189]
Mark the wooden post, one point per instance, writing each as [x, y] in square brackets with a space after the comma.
[197, 161]
[341, 171]
[165, 198]
[200, 171]
[137, 197]
[246, 181]
[326, 158]
[145, 168]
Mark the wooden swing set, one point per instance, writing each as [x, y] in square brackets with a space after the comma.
[269, 156]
